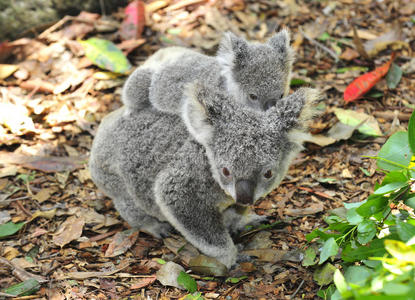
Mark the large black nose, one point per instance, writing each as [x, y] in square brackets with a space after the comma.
[244, 192]
[269, 104]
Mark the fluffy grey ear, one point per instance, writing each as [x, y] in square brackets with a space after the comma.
[232, 49]
[295, 110]
[281, 41]
[195, 112]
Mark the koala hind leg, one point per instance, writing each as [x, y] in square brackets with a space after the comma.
[196, 219]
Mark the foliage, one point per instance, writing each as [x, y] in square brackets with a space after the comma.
[374, 239]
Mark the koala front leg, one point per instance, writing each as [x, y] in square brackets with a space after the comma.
[236, 217]
[195, 217]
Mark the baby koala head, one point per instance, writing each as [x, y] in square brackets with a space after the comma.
[249, 150]
[257, 74]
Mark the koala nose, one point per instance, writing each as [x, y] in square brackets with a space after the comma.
[269, 104]
[244, 192]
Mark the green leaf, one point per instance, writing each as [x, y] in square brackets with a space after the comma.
[395, 176]
[366, 231]
[395, 150]
[327, 293]
[10, 228]
[340, 282]
[357, 275]
[411, 132]
[366, 124]
[353, 217]
[298, 82]
[394, 76]
[235, 279]
[187, 282]
[324, 36]
[374, 249]
[406, 231]
[309, 257]
[160, 261]
[330, 248]
[324, 274]
[390, 187]
[374, 205]
[24, 288]
[410, 202]
[392, 288]
[106, 55]
[354, 68]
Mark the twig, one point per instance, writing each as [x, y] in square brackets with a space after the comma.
[296, 291]
[6, 295]
[324, 48]
[182, 4]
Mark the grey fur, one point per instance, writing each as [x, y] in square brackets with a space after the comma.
[244, 69]
[160, 176]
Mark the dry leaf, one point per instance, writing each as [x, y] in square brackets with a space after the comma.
[121, 242]
[143, 282]
[69, 230]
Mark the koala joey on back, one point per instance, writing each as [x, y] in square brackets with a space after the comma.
[256, 74]
[188, 171]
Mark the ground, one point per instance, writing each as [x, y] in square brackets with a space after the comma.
[75, 243]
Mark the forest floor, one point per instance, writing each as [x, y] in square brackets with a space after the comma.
[74, 242]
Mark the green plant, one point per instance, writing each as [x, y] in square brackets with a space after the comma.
[373, 241]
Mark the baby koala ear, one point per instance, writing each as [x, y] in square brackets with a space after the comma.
[197, 111]
[280, 41]
[232, 50]
[296, 110]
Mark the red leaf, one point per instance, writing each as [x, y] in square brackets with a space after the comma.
[362, 84]
[133, 25]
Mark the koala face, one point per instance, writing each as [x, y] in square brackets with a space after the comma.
[257, 74]
[249, 150]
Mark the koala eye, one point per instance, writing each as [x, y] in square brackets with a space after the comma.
[226, 172]
[253, 97]
[268, 174]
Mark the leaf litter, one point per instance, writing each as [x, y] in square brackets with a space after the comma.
[57, 97]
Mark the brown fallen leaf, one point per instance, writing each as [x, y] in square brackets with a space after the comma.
[38, 85]
[143, 282]
[85, 275]
[21, 273]
[44, 194]
[121, 242]
[310, 210]
[273, 255]
[391, 38]
[48, 164]
[207, 266]
[349, 54]
[181, 247]
[69, 230]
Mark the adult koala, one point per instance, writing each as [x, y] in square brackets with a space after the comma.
[257, 75]
[186, 171]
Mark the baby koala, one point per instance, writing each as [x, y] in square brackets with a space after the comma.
[186, 171]
[257, 75]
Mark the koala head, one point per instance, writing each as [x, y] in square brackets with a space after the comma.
[249, 150]
[257, 74]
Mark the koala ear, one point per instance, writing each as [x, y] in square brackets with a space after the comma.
[295, 110]
[281, 41]
[232, 50]
[196, 112]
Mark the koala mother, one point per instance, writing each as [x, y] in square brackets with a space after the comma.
[159, 175]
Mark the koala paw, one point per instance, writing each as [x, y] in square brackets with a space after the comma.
[158, 230]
